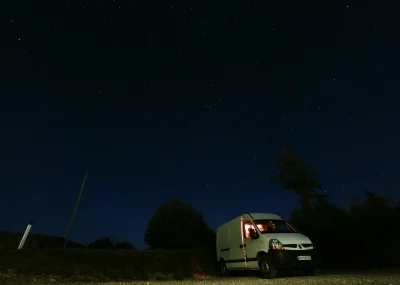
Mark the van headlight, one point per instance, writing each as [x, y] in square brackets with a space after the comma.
[276, 245]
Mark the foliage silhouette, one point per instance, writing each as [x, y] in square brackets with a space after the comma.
[345, 238]
[10, 240]
[177, 225]
[294, 174]
[362, 230]
[101, 243]
[124, 245]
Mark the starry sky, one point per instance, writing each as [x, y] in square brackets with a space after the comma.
[190, 99]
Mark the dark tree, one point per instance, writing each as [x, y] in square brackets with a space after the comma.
[124, 245]
[396, 211]
[375, 209]
[294, 174]
[177, 225]
[101, 243]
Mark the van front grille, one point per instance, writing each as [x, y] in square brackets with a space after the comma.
[301, 252]
[290, 245]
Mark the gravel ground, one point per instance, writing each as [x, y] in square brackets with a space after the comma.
[365, 277]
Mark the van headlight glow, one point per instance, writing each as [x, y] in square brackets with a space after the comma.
[276, 245]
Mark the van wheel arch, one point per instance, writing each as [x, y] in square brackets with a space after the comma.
[267, 271]
[225, 272]
[261, 253]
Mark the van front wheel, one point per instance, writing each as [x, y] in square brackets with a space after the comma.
[267, 271]
[224, 270]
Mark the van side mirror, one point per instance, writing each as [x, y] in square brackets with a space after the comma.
[253, 234]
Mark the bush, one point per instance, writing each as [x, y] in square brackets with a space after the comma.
[11, 240]
[344, 238]
[178, 225]
[104, 265]
[124, 245]
[101, 243]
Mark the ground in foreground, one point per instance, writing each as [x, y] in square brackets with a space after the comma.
[327, 278]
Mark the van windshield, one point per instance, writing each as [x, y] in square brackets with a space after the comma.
[274, 226]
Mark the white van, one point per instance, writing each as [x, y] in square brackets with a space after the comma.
[264, 242]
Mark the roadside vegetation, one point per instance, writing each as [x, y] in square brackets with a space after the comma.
[360, 237]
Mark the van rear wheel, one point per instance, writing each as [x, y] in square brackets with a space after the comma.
[267, 271]
[224, 270]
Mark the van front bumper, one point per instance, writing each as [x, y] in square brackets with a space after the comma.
[293, 259]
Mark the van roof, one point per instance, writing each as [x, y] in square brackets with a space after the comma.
[262, 216]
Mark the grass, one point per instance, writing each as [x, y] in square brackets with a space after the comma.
[85, 265]
[43, 261]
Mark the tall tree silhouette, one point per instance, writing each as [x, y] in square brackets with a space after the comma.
[294, 174]
[177, 225]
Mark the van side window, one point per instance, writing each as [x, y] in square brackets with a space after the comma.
[246, 227]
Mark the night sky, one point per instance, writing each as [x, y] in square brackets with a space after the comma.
[193, 100]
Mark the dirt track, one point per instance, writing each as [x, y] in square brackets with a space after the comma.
[373, 277]
[325, 278]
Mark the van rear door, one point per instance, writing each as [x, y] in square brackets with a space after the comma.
[223, 246]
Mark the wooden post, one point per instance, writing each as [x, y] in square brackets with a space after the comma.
[74, 213]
